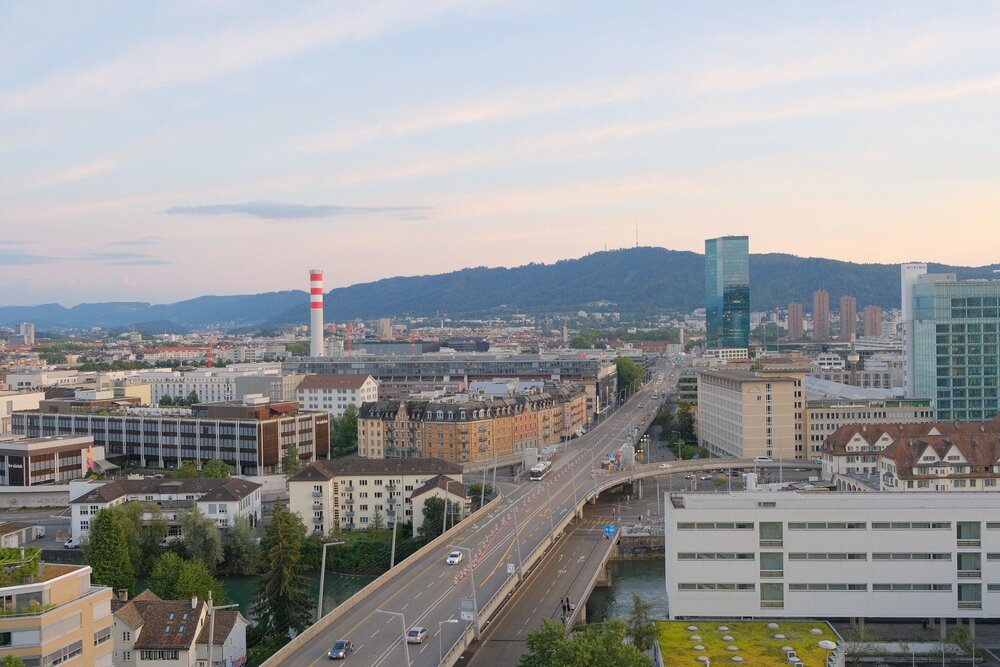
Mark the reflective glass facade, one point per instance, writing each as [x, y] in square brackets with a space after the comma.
[727, 291]
[956, 337]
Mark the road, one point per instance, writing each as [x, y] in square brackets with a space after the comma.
[429, 592]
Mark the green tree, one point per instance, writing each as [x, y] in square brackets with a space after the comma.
[154, 530]
[433, 518]
[684, 420]
[629, 375]
[283, 604]
[166, 401]
[176, 578]
[377, 523]
[240, 548]
[202, 539]
[192, 398]
[12, 661]
[108, 552]
[641, 628]
[344, 433]
[290, 462]
[476, 492]
[217, 469]
[187, 470]
[548, 646]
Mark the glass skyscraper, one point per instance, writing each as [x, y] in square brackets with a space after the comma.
[727, 291]
[956, 346]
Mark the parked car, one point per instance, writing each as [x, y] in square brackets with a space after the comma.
[71, 543]
[690, 475]
[454, 558]
[416, 635]
[341, 649]
[168, 540]
[706, 477]
[762, 459]
[664, 465]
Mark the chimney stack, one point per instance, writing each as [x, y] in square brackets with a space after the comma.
[316, 312]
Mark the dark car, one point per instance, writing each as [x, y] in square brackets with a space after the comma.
[340, 649]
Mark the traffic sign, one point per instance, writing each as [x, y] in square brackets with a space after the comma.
[609, 529]
[511, 568]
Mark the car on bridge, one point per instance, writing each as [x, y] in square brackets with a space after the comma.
[416, 635]
[454, 558]
[340, 649]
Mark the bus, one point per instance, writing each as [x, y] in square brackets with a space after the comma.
[540, 470]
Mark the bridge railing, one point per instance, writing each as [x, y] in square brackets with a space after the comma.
[350, 603]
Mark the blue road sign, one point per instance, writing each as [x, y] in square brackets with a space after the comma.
[609, 529]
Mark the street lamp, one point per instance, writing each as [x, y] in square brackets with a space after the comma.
[322, 578]
[211, 624]
[440, 633]
[402, 619]
[517, 540]
[472, 577]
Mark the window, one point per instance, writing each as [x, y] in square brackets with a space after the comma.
[911, 556]
[158, 655]
[102, 636]
[828, 587]
[896, 588]
[826, 525]
[715, 556]
[827, 556]
[126, 636]
[716, 587]
[715, 526]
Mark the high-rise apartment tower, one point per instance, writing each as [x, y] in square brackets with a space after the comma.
[821, 316]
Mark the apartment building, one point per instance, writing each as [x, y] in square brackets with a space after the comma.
[51, 614]
[346, 494]
[823, 417]
[844, 555]
[151, 632]
[470, 431]
[12, 401]
[221, 500]
[252, 435]
[333, 393]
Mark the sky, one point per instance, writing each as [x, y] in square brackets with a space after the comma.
[157, 151]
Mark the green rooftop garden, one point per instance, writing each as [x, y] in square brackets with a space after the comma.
[17, 567]
[755, 643]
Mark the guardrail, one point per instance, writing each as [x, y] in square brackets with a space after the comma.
[350, 603]
[591, 583]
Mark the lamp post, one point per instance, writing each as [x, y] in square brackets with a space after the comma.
[402, 619]
[322, 578]
[211, 624]
[472, 577]
[517, 540]
[440, 633]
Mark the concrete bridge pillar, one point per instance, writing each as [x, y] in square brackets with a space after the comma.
[638, 488]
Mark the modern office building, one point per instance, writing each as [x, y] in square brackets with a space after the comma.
[843, 555]
[727, 291]
[11, 401]
[848, 317]
[909, 274]
[956, 358]
[347, 494]
[53, 615]
[252, 436]
[821, 316]
[872, 322]
[824, 417]
[52, 460]
[795, 321]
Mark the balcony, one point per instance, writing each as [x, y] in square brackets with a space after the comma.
[391, 513]
[349, 513]
[771, 573]
[317, 494]
[970, 574]
[969, 543]
[347, 489]
[390, 487]
[317, 505]
[317, 519]
[349, 500]
[771, 543]
[970, 605]
[777, 604]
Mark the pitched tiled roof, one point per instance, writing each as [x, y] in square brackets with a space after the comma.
[836, 442]
[169, 625]
[225, 620]
[456, 488]
[981, 452]
[205, 488]
[131, 612]
[328, 469]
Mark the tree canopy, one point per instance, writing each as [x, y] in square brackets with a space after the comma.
[176, 578]
[548, 646]
[284, 603]
[107, 551]
[201, 538]
[629, 375]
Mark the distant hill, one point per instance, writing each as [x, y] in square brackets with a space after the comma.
[634, 280]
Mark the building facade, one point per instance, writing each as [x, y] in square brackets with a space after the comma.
[55, 617]
[252, 436]
[808, 555]
[12, 401]
[824, 417]
[795, 328]
[727, 292]
[821, 316]
[52, 460]
[221, 500]
[848, 317]
[873, 322]
[956, 358]
[348, 494]
[333, 393]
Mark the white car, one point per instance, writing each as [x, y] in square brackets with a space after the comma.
[454, 558]
[416, 635]
[71, 543]
[762, 459]
[664, 465]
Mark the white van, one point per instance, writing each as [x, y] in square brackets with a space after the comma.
[762, 459]
[168, 540]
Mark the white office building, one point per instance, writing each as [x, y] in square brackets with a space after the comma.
[334, 393]
[833, 555]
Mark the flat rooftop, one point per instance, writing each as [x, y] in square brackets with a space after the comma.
[965, 500]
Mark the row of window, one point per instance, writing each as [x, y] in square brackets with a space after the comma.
[969, 590]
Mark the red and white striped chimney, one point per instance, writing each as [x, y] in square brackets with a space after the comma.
[316, 312]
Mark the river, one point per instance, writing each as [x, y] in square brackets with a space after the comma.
[645, 577]
[337, 588]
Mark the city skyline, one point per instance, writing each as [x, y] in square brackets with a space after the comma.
[157, 153]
